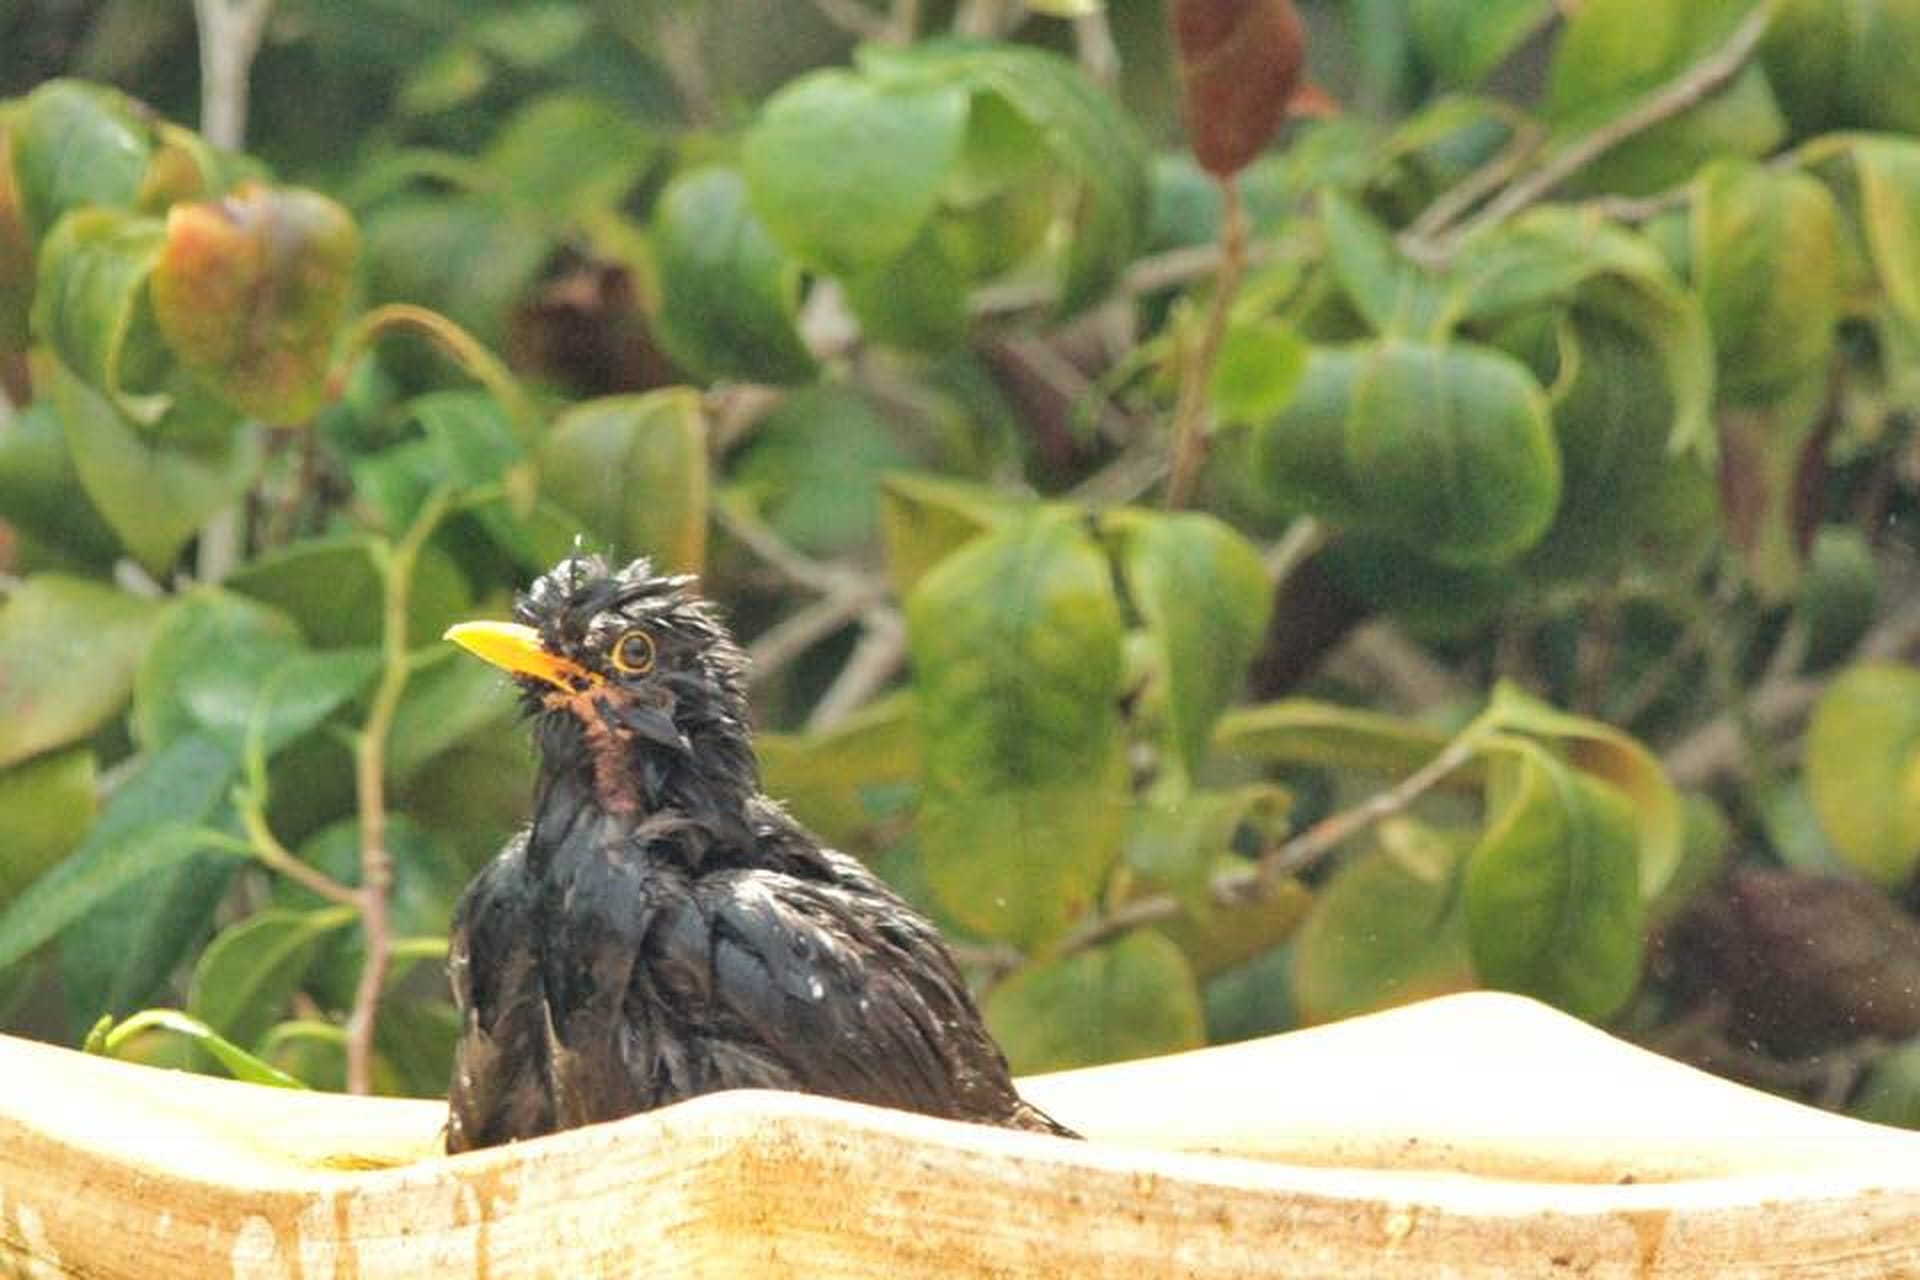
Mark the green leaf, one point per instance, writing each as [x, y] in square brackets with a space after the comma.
[567, 155]
[814, 468]
[1203, 592]
[1557, 254]
[1616, 757]
[331, 587]
[40, 493]
[1553, 902]
[1016, 653]
[1766, 261]
[1259, 368]
[151, 822]
[448, 699]
[1237, 934]
[16, 249]
[250, 291]
[1843, 63]
[156, 486]
[68, 648]
[1887, 171]
[1388, 928]
[245, 978]
[109, 1038]
[1462, 43]
[46, 806]
[1839, 596]
[91, 306]
[1133, 998]
[208, 657]
[918, 300]
[1096, 145]
[634, 469]
[851, 781]
[729, 297]
[1613, 53]
[124, 951]
[468, 258]
[1862, 759]
[1890, 1094]
[1447, 449]
[1176, 840]
[1394, 296]
[844, 173]
[925, 518]
[75, 145]
[1300, 731]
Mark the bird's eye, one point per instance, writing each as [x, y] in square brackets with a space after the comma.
[633, 653]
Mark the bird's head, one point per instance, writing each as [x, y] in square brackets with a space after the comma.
[630, 677]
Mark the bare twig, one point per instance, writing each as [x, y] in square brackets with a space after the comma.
[1190, 409]
[855, 19]
[1691, 87]
[230, 34]
[780, 644]
[1403, 667]
[1715, 749]
[905, 22]
[396, 562]
[987, 19]
[1291, 856]
[1094, 45]
[882, 648]
[1450, 205]
[1169, 270]
[802, 570]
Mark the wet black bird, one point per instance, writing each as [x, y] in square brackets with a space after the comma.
[661, 928]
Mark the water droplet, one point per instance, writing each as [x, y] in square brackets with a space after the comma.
[815, 988]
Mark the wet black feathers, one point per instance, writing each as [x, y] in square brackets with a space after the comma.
[612, 960]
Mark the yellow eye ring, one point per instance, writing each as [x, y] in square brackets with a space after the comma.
[633, 653]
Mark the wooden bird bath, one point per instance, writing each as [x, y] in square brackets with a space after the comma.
[1477, 1135]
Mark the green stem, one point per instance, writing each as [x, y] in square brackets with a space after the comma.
[396, 562]
[1190, 409]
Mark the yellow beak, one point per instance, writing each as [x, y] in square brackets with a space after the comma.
[515, 648]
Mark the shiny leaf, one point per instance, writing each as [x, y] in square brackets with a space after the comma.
[68, 649]
[249, 291]
[1016, 654]
[113, 1040]
[75, 145]
[1203, 592]
[90, 306]
[46, 806]
[728, 295]
[846, 781]
[245, 978]
[1862, 758]
[844, 173]
[1133, 998]
[1447, 449]
[1552, 890]
[634, 469]
[332, 589]
[925, 518]
[1388, 928]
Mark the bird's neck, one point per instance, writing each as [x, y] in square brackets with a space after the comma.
[688, 807]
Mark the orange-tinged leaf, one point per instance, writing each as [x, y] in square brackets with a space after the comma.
[249, 291]
[1240, 62]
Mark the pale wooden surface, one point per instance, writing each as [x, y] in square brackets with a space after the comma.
[1475, 1135]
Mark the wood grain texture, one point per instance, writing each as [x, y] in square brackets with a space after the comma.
[1475, 1135]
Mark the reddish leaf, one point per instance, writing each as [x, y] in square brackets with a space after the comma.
[249, 291]
[1240, 63]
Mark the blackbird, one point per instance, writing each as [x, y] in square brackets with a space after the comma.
[663, 929]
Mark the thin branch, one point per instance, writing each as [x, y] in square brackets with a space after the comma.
[1691, 87]
[880, 653]
[1292, 856]
[1450, 205]
[855, 19]
[1190, 409]
[1094, 45]
[370, 783]
[905, 22]
[1170, 270]
[780, 644]
[230, 34]
[802, 570]
[266, 848]
[987, 19]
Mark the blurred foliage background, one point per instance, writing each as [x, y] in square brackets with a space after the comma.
[1241, 544]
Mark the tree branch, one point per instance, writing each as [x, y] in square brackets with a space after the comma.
[1691, 87]
[1190, 409]
[396, 564]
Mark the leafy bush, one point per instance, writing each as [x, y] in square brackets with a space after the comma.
[1386, 543]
